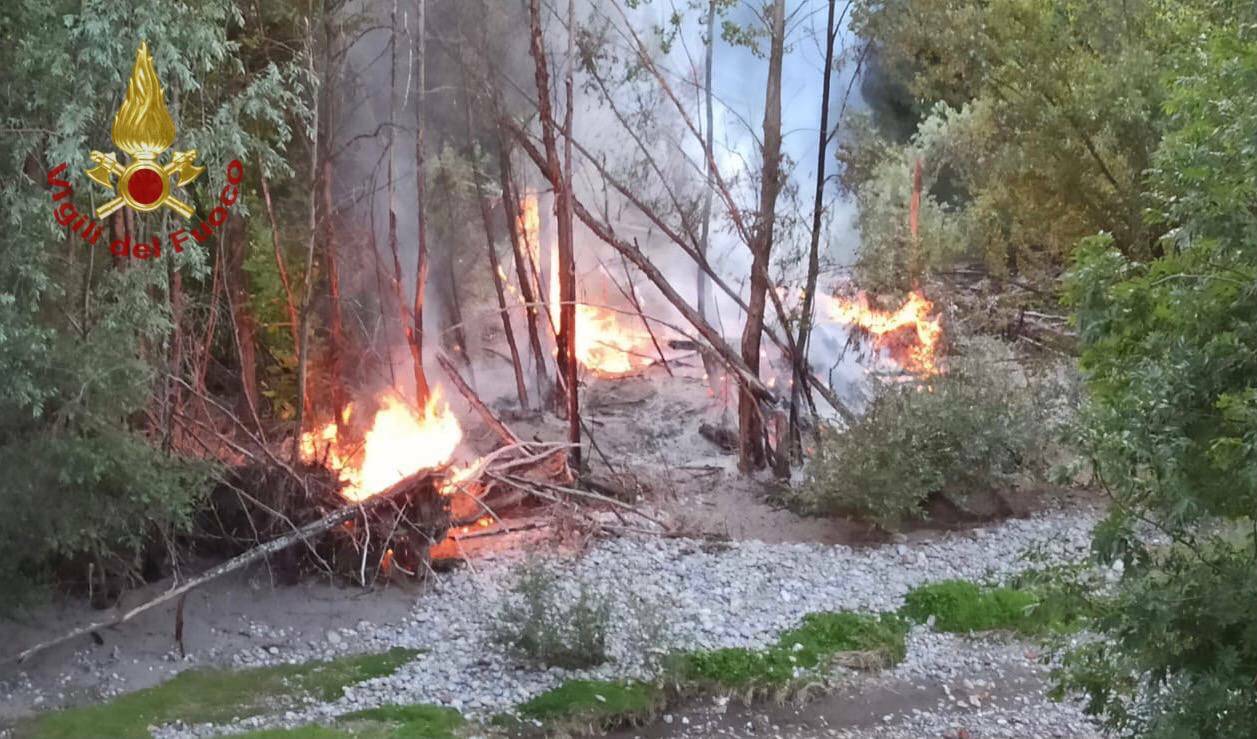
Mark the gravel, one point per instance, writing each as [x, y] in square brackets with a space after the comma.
[710, 595]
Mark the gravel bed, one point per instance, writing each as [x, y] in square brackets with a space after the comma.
[711, 595]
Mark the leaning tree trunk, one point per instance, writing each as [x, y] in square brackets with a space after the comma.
[750, 419]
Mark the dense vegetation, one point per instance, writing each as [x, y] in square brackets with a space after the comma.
[1112, 143]
[88, 347]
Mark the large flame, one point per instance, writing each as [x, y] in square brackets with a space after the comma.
[609, 343]
[400, 442]
[911, 333]
[143, 127]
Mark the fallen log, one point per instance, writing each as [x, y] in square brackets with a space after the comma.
[327, 522]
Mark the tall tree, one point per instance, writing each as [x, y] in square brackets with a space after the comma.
[751, 454]
[799, 384]
[421, 257]
[558, 173]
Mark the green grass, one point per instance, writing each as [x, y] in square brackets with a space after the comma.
[595, 703]
[214, 696]
[823, 638]
[960, 606]
[418, 721]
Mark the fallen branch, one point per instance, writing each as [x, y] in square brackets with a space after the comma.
[490, 418]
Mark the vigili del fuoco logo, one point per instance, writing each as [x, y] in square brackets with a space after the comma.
[144, 130]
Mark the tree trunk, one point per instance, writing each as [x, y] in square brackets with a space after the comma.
[510, 203]
[703, 280]
[303, 332]
[607, 235]
[521, 387]
[801, 368]
[421, 259]
[750, 418]
[567, 259]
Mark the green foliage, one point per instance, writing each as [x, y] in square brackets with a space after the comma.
[870, 641]
[594, 702]
[544, 623]
[1049, 113]
[1170, 347]
[85, 342]
[215, 696]
[978, 427]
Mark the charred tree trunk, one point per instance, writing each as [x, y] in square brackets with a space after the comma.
[801, 368]
[750, 418]
[510, 203]
[559, 173]
[607, 235]
[421, 258]
[567, 259]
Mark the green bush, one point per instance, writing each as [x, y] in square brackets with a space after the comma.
[980, 426]
[544, 623]
[1170, 348]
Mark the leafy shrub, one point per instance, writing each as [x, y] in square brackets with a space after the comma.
[95, 501]
[1170, 348]
[978, 427]
[545, 622]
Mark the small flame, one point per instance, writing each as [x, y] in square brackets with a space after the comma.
[913, 320]
[400, 442]
[143, 127]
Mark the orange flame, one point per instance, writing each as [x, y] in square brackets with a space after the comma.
[911, 333]
[608, 343]
[400, 442]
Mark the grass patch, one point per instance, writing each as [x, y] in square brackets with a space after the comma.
[960, 606]
[215, 696]
[864, 640]
[418, 721]
[595, 703]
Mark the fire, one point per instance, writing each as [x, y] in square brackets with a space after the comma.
[400, 442]
[913, 321]
[608, 343]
